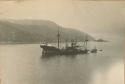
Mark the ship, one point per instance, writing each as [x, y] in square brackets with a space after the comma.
[73, 49]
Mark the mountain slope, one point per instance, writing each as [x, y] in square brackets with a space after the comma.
[30, 31]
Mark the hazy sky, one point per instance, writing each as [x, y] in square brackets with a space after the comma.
[104, 19]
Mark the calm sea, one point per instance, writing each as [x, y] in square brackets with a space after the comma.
[23, 64]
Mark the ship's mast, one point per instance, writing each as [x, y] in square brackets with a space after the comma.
[86, 40]
[58, 37]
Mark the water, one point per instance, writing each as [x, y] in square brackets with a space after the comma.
[23, 64]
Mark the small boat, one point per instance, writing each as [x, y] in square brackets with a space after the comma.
[100, 50]
[68, 50]
[94, 50]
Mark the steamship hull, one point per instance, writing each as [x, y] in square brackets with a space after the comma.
[51, 50]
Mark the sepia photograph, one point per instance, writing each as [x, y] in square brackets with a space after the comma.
[62, 41]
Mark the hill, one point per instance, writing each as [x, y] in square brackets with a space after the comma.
[35, 31]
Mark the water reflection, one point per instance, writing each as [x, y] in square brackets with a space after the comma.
[53, 56]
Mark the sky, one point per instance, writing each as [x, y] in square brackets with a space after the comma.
[101, 19]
